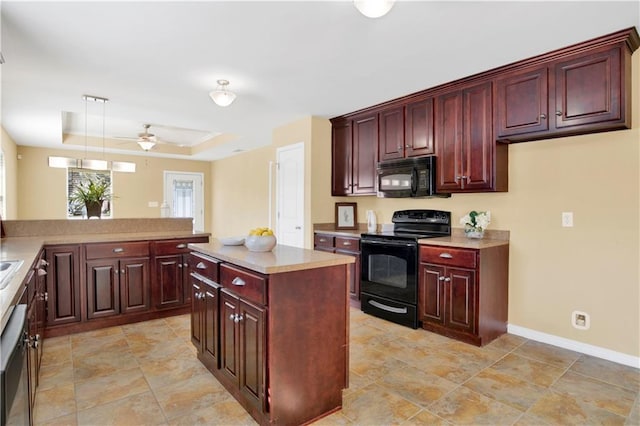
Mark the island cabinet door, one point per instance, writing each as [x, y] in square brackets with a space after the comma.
[103, 289]
[229, 344]
[251, 322]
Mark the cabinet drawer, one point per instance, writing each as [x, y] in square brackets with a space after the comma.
[323, 241]
[248, 285]
[176, 246]
[106, 250]
[205, 266]
[448, 256]
[348, 244]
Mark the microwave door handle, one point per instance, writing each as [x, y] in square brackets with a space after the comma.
[414, 181]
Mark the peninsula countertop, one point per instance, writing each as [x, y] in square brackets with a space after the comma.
[280, 259]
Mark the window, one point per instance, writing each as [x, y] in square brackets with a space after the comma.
[75, 177]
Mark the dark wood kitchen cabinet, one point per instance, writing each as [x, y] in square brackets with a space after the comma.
[280, 334]
[571, 93]
[171, 285]
[463, 293]
[469, 160]
[343, 245]
[63, 284]
[117, 278]
[407, 131]
[354, 155]
[205, 301]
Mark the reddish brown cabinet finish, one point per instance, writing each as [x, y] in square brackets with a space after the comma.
[63, 284]
[354, 155]
[343, 245]
[205, 319]
[463, 293]
[575, 91]
[391, 143]
[419, 127]
[466, 150]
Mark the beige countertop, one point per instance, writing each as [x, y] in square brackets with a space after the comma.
[463, 242]
[280, 259]
[27, 249]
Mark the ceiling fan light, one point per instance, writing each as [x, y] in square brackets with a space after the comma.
[373, 8]
[221, 96]
[146, 145]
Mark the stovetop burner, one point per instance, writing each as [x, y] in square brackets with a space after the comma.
[416, 224]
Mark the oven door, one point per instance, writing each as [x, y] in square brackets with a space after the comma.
[14, 406]
[389, 269]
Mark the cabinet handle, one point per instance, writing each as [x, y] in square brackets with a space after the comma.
[407, 146]
[41, 272]
[238, 318]
[122, 271]
[446, 255]
[322, 240]
[346, 243]
[118, 250]
[399, 147]
[232, 317]
[457, 177]
[441, 278]
[181, 246]
[185, 264]
[43, 263]
[559, 113]
[543, 116]
[46, 296]
[238, 281]
[447, 279]
[179, 265]
[201, 265]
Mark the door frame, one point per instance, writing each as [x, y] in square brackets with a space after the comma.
[198, 194]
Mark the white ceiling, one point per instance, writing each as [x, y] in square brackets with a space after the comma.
[157, 61]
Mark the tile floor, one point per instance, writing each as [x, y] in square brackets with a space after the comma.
[147, 374]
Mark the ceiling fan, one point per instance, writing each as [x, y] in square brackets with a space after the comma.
[145, 139]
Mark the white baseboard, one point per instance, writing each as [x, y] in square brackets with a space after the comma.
[573, 345]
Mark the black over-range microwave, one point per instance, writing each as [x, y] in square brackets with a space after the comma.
[408, 177]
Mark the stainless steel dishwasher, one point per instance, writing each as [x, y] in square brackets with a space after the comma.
[14, 388]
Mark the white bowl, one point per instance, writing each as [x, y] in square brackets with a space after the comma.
[260, 242]
[232, 241]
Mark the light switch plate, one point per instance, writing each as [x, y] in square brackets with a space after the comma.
[567, 219]
[153, 204]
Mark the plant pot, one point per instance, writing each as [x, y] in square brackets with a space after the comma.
[472, 233]
[94, 209]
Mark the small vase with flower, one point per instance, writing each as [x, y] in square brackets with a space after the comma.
[475, 223]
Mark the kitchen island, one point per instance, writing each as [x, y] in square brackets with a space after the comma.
[273, 327]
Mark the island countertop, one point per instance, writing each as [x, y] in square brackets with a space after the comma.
[280, 259]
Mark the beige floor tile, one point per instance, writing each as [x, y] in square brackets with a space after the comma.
[357, 382]
[446, 365]
[426, 418]
[55, 342]
[372, 364]
[55, 402]
[161, 373]
[607, 371]
[537, 372]
[558, 357]
[56, 354]
[88, 346]
[484, 356]
[334, 419]
[224, 413]
[67, 420]
[376, 405]
[53, 375]
[369, 335]
[416, 386]
[195, 393]
[162, 351]
[465, 407]
[507, 342]
[597, 393]
[101, 364]
[557, 409]
[528, 419]
[634, 417]
[101, 332]
[141, 409]
[504, 388]
[102, 390]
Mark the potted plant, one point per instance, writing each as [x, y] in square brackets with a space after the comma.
[92, 192]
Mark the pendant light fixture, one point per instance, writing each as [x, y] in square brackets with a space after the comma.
[221, 96]
[373, 8]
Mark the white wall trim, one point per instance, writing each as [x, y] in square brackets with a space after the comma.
[573, 345]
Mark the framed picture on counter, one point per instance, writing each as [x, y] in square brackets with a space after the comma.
[346, 216]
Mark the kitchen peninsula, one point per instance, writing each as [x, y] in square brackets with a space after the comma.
[272, 327]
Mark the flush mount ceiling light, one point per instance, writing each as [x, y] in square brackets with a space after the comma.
[221, 96]
[373, 8]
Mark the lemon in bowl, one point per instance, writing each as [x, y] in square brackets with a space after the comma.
[260, 239]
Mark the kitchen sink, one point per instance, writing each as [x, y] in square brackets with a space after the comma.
[7, 269]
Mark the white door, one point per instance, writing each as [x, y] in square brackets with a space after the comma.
[290, 195]
[184, 192]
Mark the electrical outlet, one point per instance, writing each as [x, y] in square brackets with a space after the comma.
[567, 219]
[580, 320]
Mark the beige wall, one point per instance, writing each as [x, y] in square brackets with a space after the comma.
[592, 267]
[10, 151]
[43, 189]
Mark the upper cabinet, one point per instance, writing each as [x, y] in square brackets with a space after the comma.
[577, 94]
[467, 152]
[579, 89]
[354, 155]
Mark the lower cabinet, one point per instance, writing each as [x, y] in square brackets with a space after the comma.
[463, 293]
[63, 284]
[205, 319]
[242, 354]
[343, 245]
